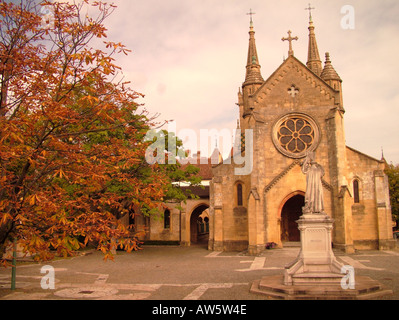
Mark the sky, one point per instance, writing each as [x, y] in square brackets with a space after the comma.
[188, 59]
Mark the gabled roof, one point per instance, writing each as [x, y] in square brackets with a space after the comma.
[292, 61]
[364, 155]
[204, 164]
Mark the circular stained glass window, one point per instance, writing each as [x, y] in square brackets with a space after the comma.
[295, 134]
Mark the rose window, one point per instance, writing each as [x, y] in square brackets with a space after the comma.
[295, 134]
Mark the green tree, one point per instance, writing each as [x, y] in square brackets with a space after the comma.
[170, 154]
[392, 172]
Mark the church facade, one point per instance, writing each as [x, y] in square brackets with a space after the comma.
[298, 109]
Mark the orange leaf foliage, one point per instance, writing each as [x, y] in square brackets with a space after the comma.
[71, 137]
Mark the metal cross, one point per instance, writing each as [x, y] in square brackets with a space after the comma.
[251, 14]
[310, 11]
[290, 39]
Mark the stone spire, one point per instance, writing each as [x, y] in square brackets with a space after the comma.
[314, 62]
[329, 74]
[331, 77]
[253, 75]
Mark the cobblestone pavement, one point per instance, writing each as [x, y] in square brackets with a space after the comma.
[175, 273]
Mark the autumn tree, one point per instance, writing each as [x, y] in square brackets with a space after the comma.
[72, 150]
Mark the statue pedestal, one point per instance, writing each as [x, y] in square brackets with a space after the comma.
[315, 273]
[316, 263]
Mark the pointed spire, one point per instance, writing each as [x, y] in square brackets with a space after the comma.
[329, 72]
[253, 74]
[314, 62]
[216, 156]
[236, 139]
[386, 165]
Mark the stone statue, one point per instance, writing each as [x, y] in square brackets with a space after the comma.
[314, 202]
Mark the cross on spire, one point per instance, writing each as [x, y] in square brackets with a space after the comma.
[251, 14]
[290, 39]
[310, 12]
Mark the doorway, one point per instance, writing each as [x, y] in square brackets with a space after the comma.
[199, 225]
[290, 213]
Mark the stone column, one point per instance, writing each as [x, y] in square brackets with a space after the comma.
[216, 215]
[184, 233]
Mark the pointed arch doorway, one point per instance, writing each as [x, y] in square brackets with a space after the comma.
[290, 213]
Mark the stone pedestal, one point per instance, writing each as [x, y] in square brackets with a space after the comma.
[316, 263]
[273, 288]
[315, 273]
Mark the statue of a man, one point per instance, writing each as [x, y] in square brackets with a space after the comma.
[314, 202]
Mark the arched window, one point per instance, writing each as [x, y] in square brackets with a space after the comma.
[239, 194]
[356, 197]
[166, 219]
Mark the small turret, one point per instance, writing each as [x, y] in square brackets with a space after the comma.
[331, 77]
[329, 74]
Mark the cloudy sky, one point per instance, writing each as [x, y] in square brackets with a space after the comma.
[188, 58]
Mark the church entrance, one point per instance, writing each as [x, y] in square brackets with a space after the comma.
[199, 225]
[290, 213]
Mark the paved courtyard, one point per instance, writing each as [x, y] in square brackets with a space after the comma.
[176, 273]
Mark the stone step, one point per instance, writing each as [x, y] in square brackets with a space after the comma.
[273, 287]
[291, 244]
[317, 278]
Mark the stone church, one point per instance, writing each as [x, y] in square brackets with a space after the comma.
[298, 108]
